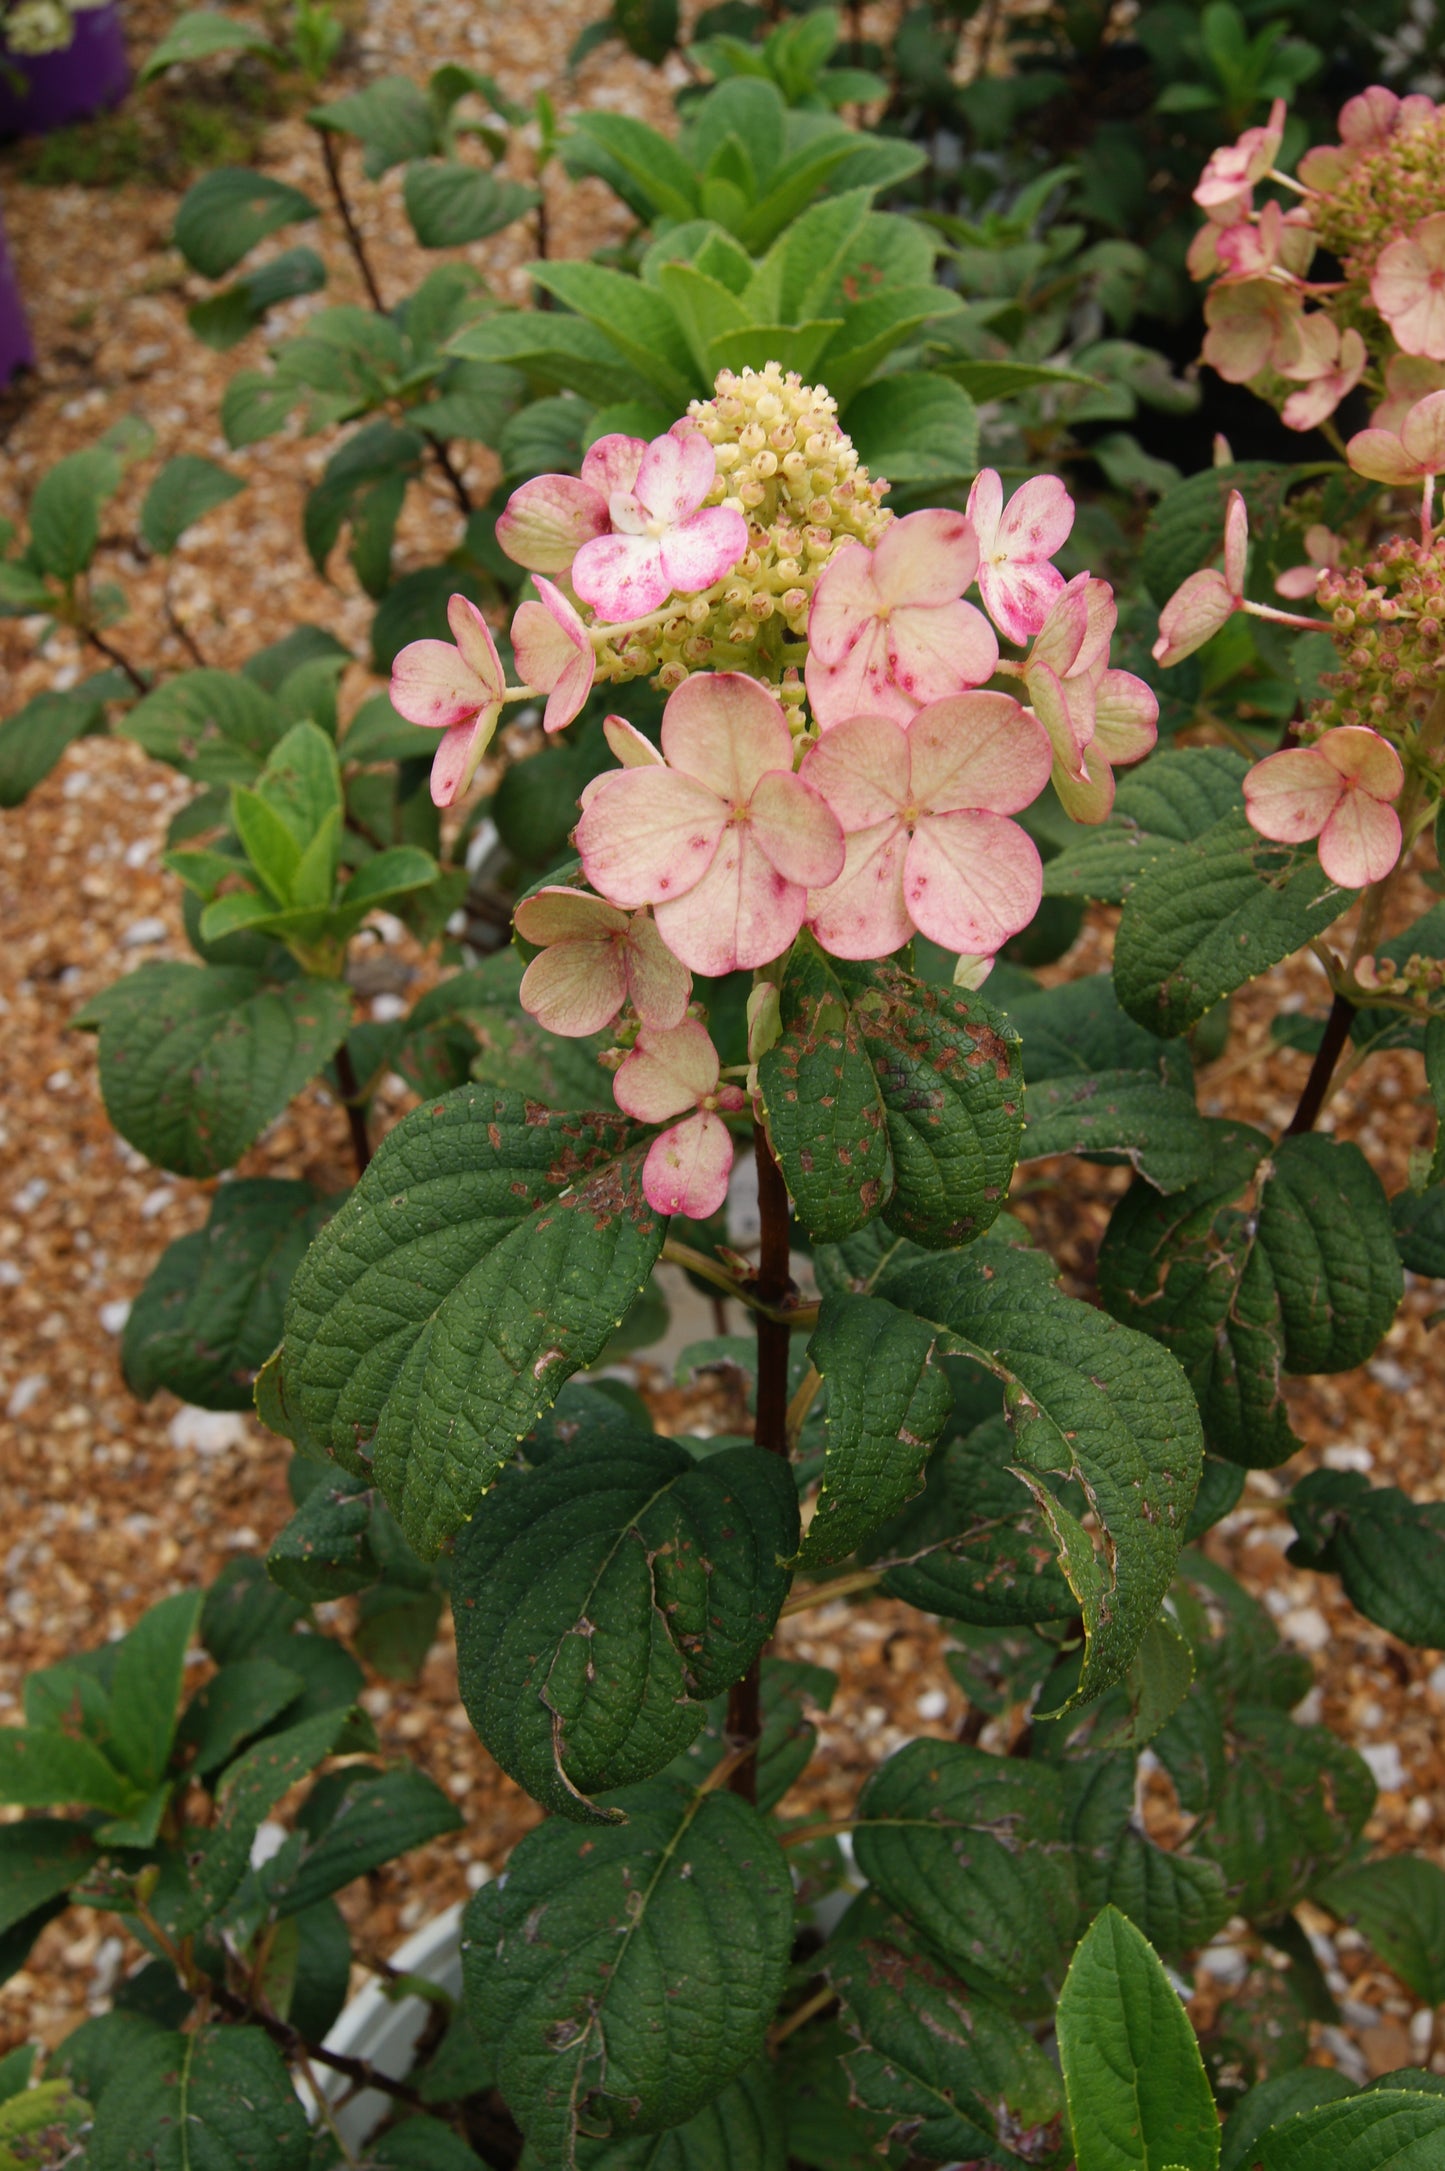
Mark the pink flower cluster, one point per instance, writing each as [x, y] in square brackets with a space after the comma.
[1372, 201]
[890, 812]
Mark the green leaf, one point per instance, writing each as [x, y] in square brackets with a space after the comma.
[450, 204]
[1282, 1260]
[602, 1599]
[973, 1546]
[971, 1850]
[45, 2118]
[187, 487]
[1272, 2101]
[628, 1976]
[248, 1789]
[223, 2089]
[489, 1251]
[914, 428]
[1177, 1900]
[1099, 1083]
[562, 353]
[65, 510]
[377, 734]
[34, 738]
[1137, 2093]
[788, 1690]
[1173, 799]
[985, 381]
[1399, 1904]
[888, 1399]
[379, 1816]
[638, 322]
[660, 172]
[224, 214]
[363, 486]
[223, 320]
[1212, 915]
[238, 1701]
[325, 1550]
[1387, 1549]
[195, 1060]
[888, 1093]
[40, 1858]
[145, 1687]
[1378, 2131]
[210, 1314]
[744, 2124]
[392, 118]
[951, 2075]
[1418, 1218]
[1087, 1402]
[200, 33]
[215, 726]
[1292, 1801]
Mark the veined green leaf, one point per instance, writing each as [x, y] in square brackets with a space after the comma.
[1173, 799]
[224, 214]
[888, 1399]
[1137, 2092]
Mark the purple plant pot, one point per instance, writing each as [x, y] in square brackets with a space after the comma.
[57, 88]
[16, 351]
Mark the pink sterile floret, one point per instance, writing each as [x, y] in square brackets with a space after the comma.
[1328, 367]
[1237, 166]
[547, 520]
[1323, 551]
[1417, 451]
[594, 959]
[1097, 719]
[686, 1170]
[1253, 325]
[888, 629]
[554, 654]
[1407, 286]
[1338, 790]
[1015, 544]
[719, 837]
[1409, 378]
[1205, 601]
[664, 541]
[923, 810]
[453, 689]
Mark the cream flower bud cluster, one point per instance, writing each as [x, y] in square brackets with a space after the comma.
[1387, 619]
[787, 466]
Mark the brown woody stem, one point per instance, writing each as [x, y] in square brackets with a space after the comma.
[355, 1113]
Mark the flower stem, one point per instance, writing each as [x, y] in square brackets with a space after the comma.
[355, 1113]
[744, 1719]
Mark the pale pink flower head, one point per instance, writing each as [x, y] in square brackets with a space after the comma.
[554, 654]
[1015, 544]
[720, 837]
[1253, 325]
[593, 960]
[663, 540]
[454, 687]
[1339, 790]
[1323, 552]
[924, 811]
[1368, 121]
[1408, 379]
[1329, 368]
[1278, 241]
[1407, 286]
[888, 630]
[1207, 600]
[1417, 451]
[668, 1072]
[1237, 166]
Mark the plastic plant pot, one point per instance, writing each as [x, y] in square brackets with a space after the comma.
[40, 91]
[384, 2031]
[16, 350]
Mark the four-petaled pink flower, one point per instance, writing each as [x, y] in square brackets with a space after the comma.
[1207, 600]
[1409, 378]
[720, 837]
[686, 1170]
[1416, 452]
[1407, 286]
[888, 630]
[554, 654]
[1330, 365]
[924, 809]
[1253, 325]
[453, 689]
[1235, 167]
[548, 519]
[1015, 544]
[663, 541]
[1097, 719]
[593, 960]
[1323, 551]
[1339, 790]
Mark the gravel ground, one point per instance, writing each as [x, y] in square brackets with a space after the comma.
[110, 1504]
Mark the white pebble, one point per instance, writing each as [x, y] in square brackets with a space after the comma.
[155, 1202]
[932, 1704]
[1383, 1758]
[207, 1432]
[1307, 1627]
[386, 1009]
[26, 1392]
[114, 1316]
[144, 932]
